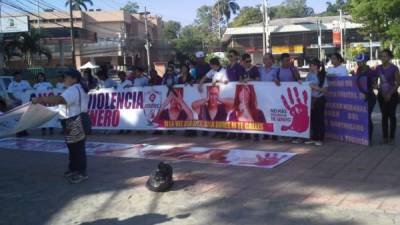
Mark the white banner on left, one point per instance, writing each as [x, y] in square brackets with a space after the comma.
[25, 117]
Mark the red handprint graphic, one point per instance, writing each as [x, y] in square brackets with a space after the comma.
[298, 110]
[268, 159]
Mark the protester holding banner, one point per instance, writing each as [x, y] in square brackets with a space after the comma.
[60, 82]
[202, 67]
[141, 79]
[89, 80]
[388, 95]
[337, 69]
[286, 72]
[364, 72]
[71, 100]
[268, 72]
[105, 81]
[234, 70]
[155, 79]
[319, 84]
[16, 89]
[184, 77]
[251, 72]
[124, 83]
[43, 87]
[217, 74]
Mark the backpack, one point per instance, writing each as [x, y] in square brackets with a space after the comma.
[161, 179]
[291, 70]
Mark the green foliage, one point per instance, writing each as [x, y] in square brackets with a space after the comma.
[291, 9]
[189, 41]
[354, 51]
[332, 9]
[379, 17]
[225, 8]
[130, 7]
[79, 4]
[224, 61]
[171, 29]
[248, 15]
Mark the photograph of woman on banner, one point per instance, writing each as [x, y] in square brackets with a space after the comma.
[174, 107]
[245, 106]
[213, 108]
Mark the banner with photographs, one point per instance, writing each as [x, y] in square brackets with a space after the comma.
[256, 107]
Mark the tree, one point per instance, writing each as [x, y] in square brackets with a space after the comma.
[28, 44]
[79, 4]
[189, 41]
[131, 7]
[291, 9]
[332, 9]
[248, 15]
[224, 9]
[204, 18]
[171, 29]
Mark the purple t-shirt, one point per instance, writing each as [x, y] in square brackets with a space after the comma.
[252, 73]
[286, 74]
[387, 77]
[234, 72]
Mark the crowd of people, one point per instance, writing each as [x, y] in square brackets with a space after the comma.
[385, 79]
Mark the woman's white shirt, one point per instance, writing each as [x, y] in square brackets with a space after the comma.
[71, 97]
[338, 71]
[43, 86]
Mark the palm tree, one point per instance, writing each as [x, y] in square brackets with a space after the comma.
[225, 8]
[79, 4]
[28, 44]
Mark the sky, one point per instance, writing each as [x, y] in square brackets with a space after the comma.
[183, 11]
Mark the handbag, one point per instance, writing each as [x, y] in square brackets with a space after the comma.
[86, 122]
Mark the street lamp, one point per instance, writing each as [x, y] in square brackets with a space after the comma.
[147, 46]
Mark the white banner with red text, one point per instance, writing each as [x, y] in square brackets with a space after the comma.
[256, 107]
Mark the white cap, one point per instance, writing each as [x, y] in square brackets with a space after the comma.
[200, 54]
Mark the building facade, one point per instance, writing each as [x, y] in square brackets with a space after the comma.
[300, 38]
[114, 38]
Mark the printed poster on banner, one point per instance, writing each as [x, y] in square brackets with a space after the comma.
[256, 107]
[235, 157]
[346, 110]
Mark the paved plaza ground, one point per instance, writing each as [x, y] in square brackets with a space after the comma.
[337, 183]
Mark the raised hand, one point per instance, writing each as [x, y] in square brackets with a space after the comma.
[298, 110]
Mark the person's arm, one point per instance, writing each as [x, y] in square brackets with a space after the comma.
[10, 91]
[50, 100]
[396, 85]
[27, 86]
[185, 107]
[201, 83]
[296, 74]
[196, 105]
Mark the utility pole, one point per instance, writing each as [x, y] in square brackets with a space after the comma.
[38, 22]
[219, 20]
[370, 47]
[71, 18]
[147, 41]
[341, 31]
[264, 30]
[319, 23]
[123, 37]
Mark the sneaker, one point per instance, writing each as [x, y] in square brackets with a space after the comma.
[318, 143]
[297, 141]
[68, 173]
[77, 178]
[310, 142]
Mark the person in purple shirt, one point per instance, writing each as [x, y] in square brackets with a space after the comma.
[287, 72]
[388, 96]
[364, 72]
[251, 72]
[234, 69]
[201, 67]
